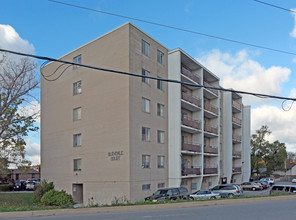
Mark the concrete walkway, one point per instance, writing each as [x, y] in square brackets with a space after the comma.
[139, 207]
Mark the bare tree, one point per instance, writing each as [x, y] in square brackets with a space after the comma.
[18, 78]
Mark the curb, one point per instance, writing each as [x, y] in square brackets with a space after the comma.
[54, 212]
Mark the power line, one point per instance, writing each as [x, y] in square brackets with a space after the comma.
[177, 28]
[48, 59]
[275, 6]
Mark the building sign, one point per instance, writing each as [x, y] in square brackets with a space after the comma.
[115, 155]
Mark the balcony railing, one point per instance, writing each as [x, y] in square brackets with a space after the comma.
[236, 153]
[210, 129]
[236, 169]
[210, 149]
[237, 105]
[212, 90]
[210, 108]
[210, 170]
[190, 171]
[236, 120]
[191, 99]
[191, 147]
[190, 75]
[236, 137]
[191, 123]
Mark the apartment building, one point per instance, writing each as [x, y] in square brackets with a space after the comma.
[108, 136]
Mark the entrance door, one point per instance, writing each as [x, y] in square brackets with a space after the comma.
[77, 191]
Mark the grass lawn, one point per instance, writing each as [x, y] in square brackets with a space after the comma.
[18, 202]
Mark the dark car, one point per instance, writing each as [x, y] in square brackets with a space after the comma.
[169, 193]
[20, 186]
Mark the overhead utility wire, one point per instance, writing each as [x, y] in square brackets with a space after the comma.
[143, 76]
[275, 6]
[177, 28]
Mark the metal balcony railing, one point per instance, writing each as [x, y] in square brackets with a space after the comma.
[236, 137]
[191, 99]
[210, 170]
[190, 75]
[210, 108]
[237, 105]
[236, 120]
[190, 171]
[211, 129]
[237, 153]
[191, 147]
[210, 149]
[236, 169]
[191, 123]
[212, 90]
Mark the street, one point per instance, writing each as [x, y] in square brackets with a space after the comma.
[272, 209]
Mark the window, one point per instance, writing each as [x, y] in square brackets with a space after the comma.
[77, 114]
[17, 176]
[77, 164]
[160, 137]
[145, 134]
[160, 161]
[193, 186]
[145, 73]
[146, 187]
[160, 84]
[77, 60]
[77, 88]
[77, 140]
[145, 48]
[160, 57]
[145, 161]
[145, 105]
[160, 185]
[160, 110]
[184, 183]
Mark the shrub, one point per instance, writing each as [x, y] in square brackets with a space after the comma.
[6, 187]
[57, 198]
[41, 189]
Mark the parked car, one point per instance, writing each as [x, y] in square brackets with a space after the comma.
[169, 193]
[20, 186]
[269, 180]
[31, 185]
[264, 184]
[228, 190]
[294, 180]
[204, 194]
[286, 189]
[251, 186]
[32, 180]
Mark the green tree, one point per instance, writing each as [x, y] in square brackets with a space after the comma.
[265, 154]
[18, 78]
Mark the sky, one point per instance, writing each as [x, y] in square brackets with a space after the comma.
[49, 29]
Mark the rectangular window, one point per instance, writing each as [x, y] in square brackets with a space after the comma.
[77, 88]
[17, 176]
[145, 48]
[77, 60]
[160, 161]
[145, 161]
[145, 73]
[160, 137]
[184, 183]
[146, 187]
[77, 114]
[160, 84]
[160, 185]
[77, 164]
[160, 57]
[145, 134]
[160, 110]
[145, 105]
[77, 140]
[193, 186]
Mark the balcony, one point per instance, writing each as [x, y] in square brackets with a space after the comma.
[211, 111]
[236, 107]
[210, 93]
[236, 169]
[191, 126]
[210, 149]
[236, 122]
[236, 138]
[195, 148]
[237, 154]
[190, 102]
[190, 171]
[210, 131]
[210, 171]
[186, 72]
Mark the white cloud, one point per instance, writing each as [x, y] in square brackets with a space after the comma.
[32, 109]
[32, 151]
[240, 72]
[293, 33]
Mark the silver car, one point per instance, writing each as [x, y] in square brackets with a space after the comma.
[204, 194]
[228, 190]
